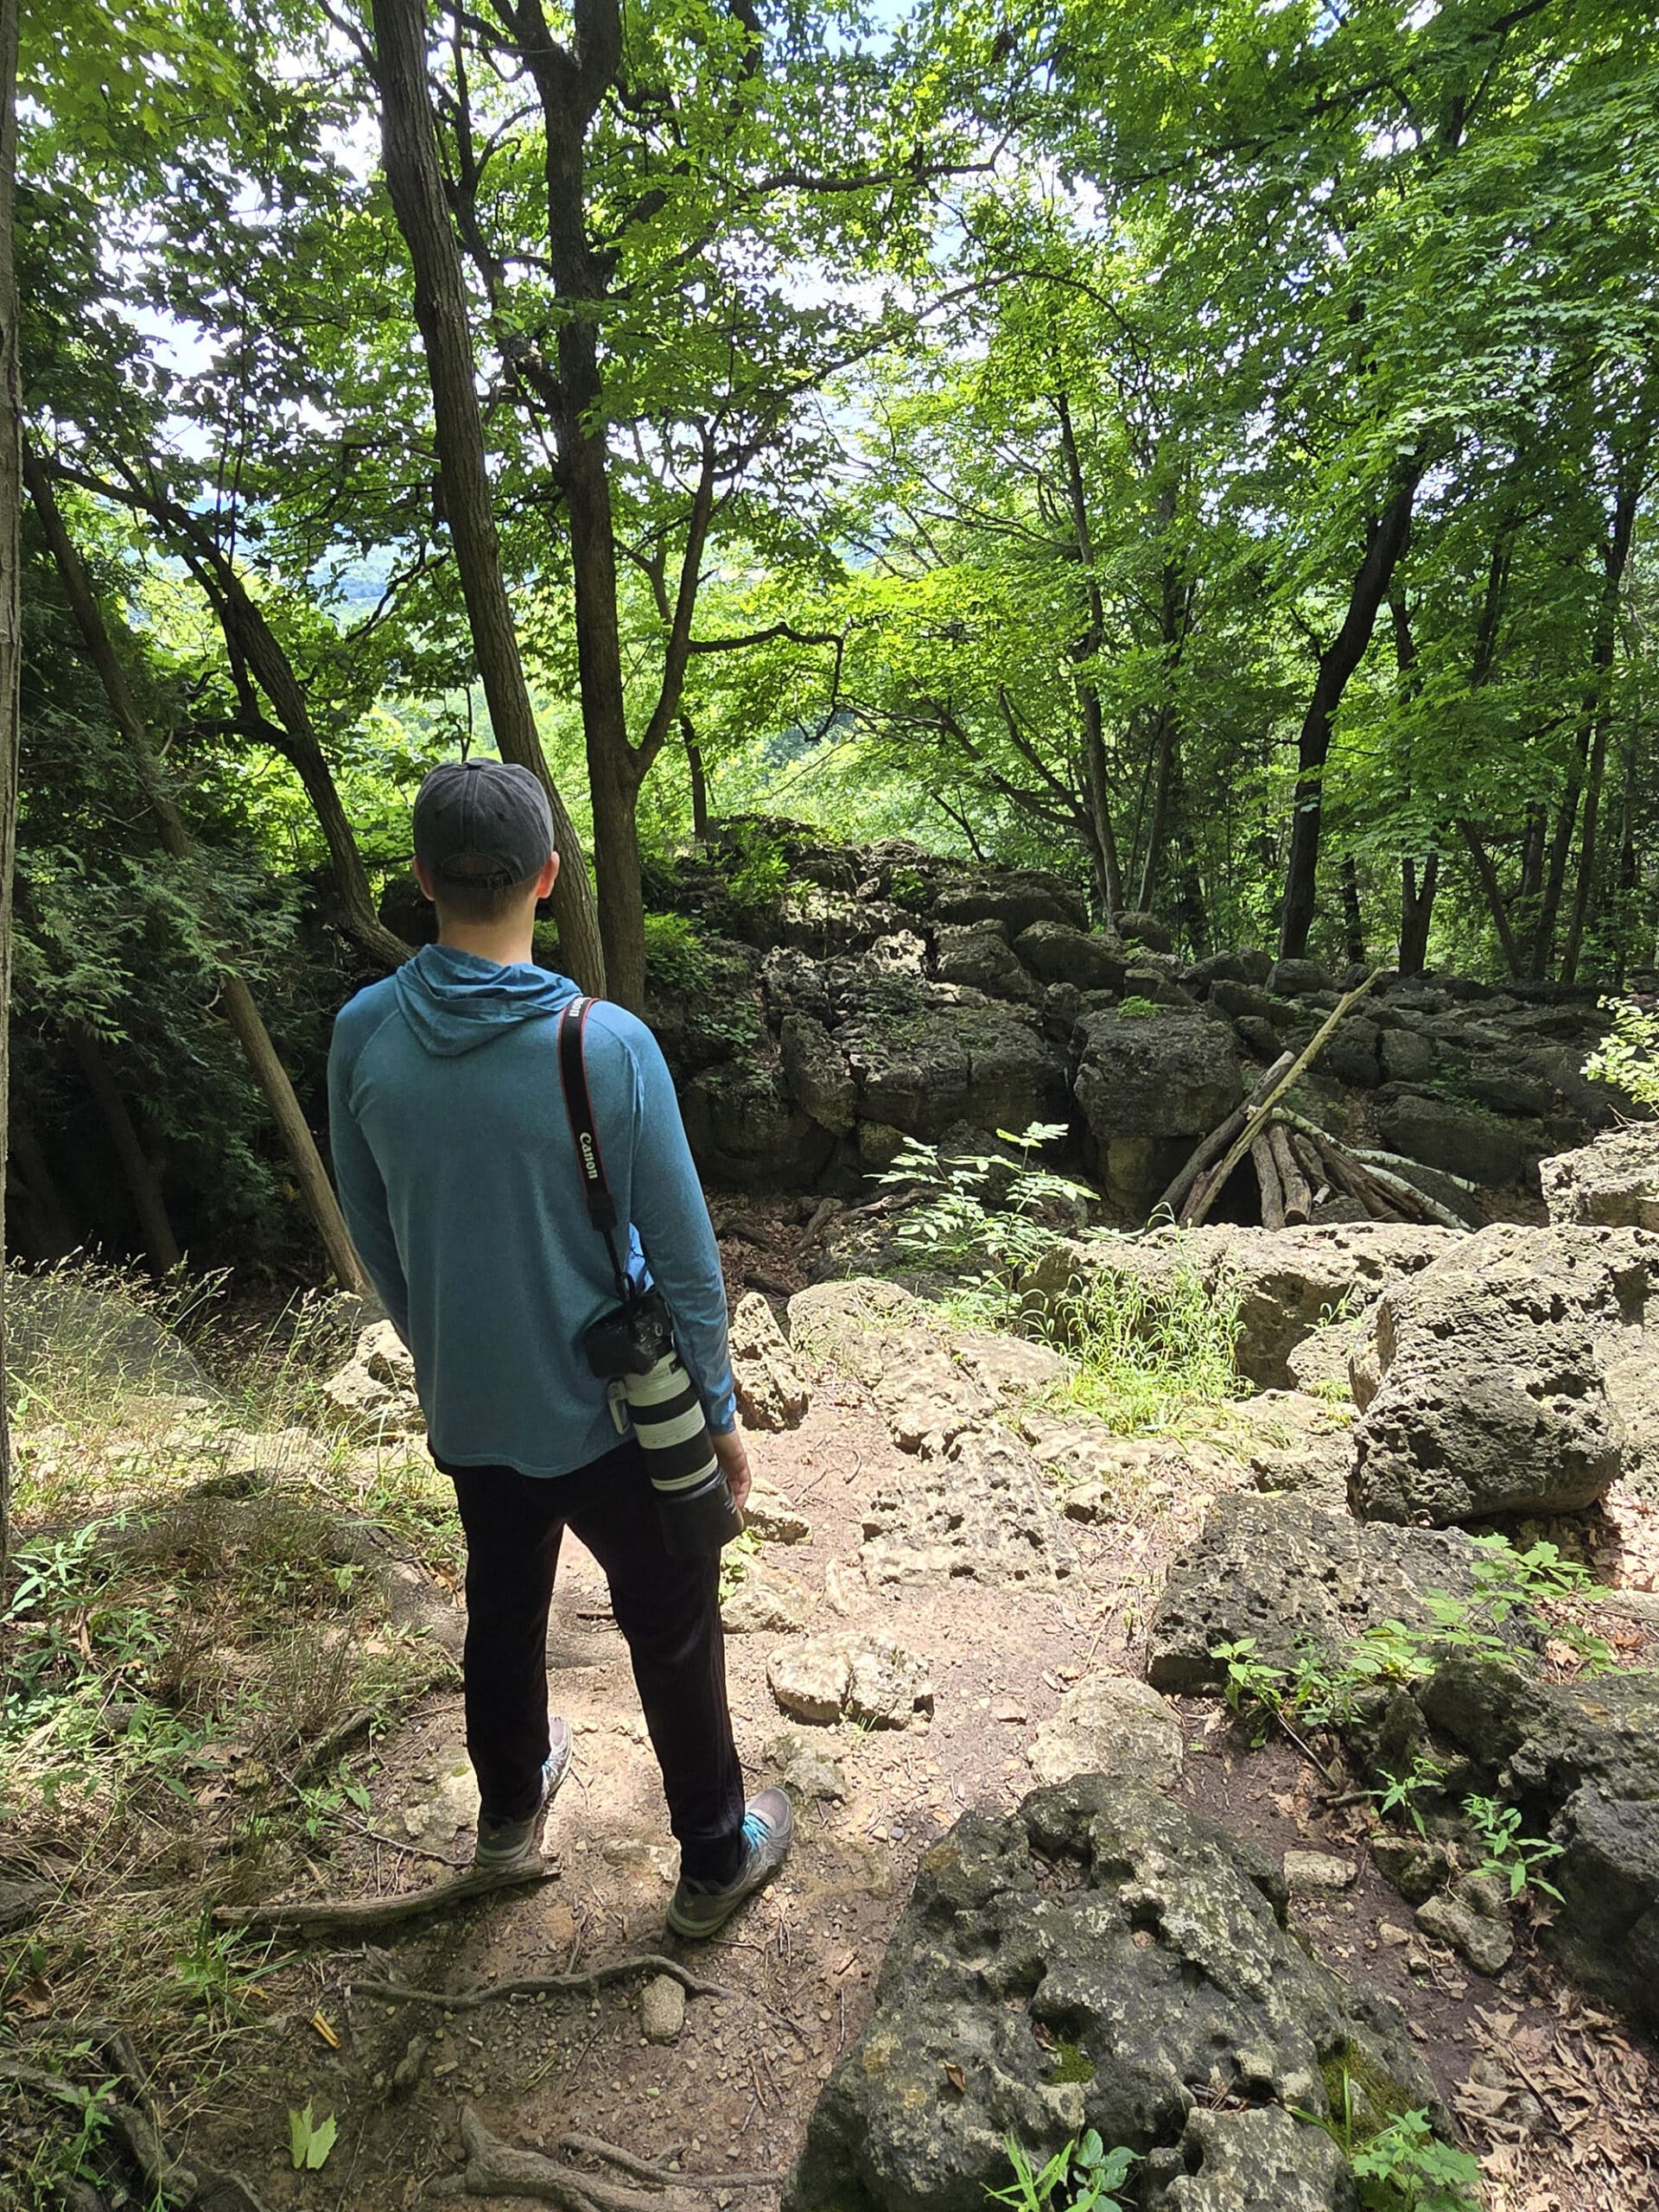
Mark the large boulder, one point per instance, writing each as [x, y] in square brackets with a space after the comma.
[1581, 1761]
[921, 1071]
[1288, 1282]
[1061, 955]
[979, 955]
[817, 1075]
[1298, 1577]
[1101, 1958]
[1148, 1084]
[1613, 1182]
[1016, 897]
[1497, 1150]
[1484, 1388]
[747, 1133]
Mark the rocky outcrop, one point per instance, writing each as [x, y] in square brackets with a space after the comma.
[373, 1394]
[936, 996]
[1581, 1761]
[1484, 1386]
[772, 1392]
[1110, 1724]
[1288, 1282]
[1101, 1958]
[1613, 1182]
[1295, 1576]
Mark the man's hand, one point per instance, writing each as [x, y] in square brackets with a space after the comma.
[733, 1464]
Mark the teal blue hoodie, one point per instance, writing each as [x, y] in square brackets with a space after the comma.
[458, 1177]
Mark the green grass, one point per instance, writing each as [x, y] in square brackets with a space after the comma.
[1151, 1355]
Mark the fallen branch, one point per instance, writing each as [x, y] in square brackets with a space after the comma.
[1298, 1197]
[1269, 1098]
[1267, 1179]
[1218, 1140]
[544, 1985]
[356, 1914]
[1369, 1154]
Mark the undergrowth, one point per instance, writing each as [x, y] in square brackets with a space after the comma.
[1150, 1353]
[195, 1660]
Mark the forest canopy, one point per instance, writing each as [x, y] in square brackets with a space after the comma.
[1205, 449]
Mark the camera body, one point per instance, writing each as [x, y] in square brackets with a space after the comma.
[632, 1348]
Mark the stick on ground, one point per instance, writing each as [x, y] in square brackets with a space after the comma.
[355, 1915]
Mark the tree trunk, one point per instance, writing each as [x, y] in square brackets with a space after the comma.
[699, 783]
[1353, 922]
[1615, 557]
[1492, 890]
[267, 1069]
[11, 497]
[57, 1231]
[1416, 912]
[408, 140]
[142, 1181]
[1385, 543]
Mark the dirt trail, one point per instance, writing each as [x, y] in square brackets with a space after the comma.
[732, 2092]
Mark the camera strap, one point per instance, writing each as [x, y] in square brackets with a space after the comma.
[590, 1159]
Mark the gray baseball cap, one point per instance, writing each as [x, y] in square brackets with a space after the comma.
[482, 822]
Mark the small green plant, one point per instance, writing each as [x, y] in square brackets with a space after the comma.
[1134, 1009]
[1400, 1792]
[1513, 1858]
[907, 887]
[1400, 2165]
[957, 1227]
[735, 1562]
[759, 867]
[1082, 2175]
[310, 2141]
[1628, 1056]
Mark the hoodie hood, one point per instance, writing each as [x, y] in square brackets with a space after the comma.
[455, 1001]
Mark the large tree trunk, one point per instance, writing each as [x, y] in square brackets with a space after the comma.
[244, 1015]
[1385, 543]
[11, 500]
[408, 139]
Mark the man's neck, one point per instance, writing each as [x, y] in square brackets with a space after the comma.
[508, 943]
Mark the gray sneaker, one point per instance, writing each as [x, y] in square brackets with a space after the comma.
[697, 1909]
[512, 1847]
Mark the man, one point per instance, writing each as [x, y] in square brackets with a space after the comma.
[459, 1177]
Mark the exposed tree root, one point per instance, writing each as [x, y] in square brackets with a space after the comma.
[496, 2169]
[544, 1985]
[357, 1914]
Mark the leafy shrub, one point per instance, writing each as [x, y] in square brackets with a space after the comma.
[1082, 2175]
[676, 959]
[1628, 1056]
[759, 868]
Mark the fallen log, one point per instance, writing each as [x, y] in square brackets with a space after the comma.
[1267, 1179]
[1217, 1178]
[355, 1915]
[1369, 1154]
[1299, 1198]
[1217, 1142]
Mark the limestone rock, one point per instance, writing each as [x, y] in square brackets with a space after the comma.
[819, 1079]
[1487, 1945]
[863, 1677]
[1015, 897]
[1110, 1724]
[925, 1072]
[983, 1513]
[661, 2009]
[1286, 1570]
[1287, 1281]
[1258, 2161]
[980, 956]
[1317, 1874]
[1411, 1864]
[449, 1804]
[772, 1391]
[1143, 929]
[747, 1133]
[1149, 1947]
[374, 1393]
[1489, 1394]
[1581, 1761]
[1614, 1181]
[1485, 1147]
[1143, 1079]
[1295, 979]
[1060, 955]
[765, 1603]
[773, 1517]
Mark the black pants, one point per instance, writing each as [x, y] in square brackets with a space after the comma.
[668, 1610]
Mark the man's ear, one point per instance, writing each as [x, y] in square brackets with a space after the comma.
[424, 878]
[549, 876]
